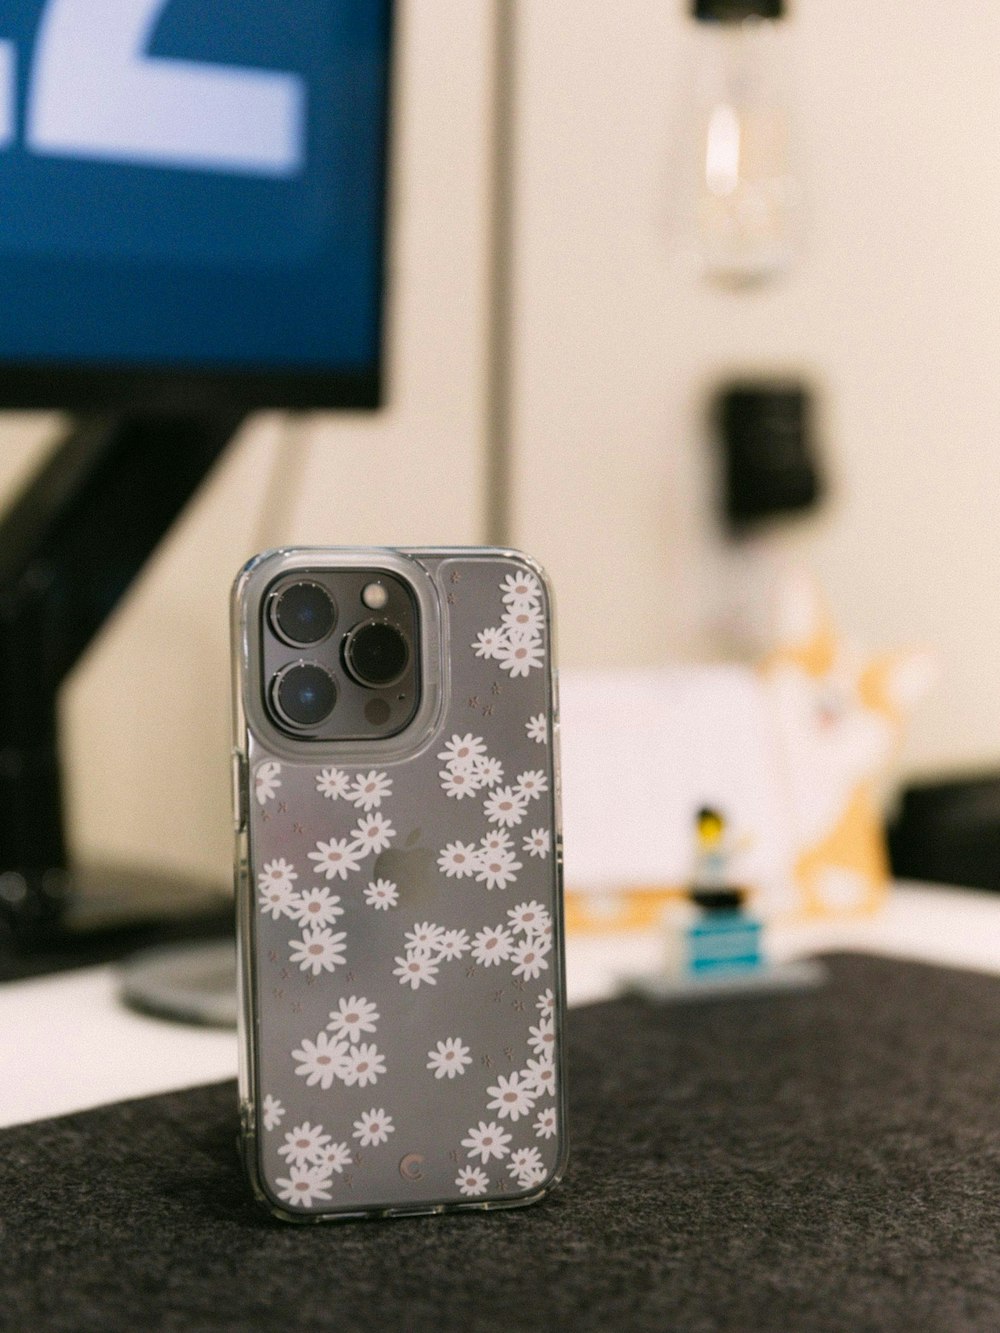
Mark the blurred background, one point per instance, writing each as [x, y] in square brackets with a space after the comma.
[551, 360]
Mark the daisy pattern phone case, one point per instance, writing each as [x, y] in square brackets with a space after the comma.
[398, 881]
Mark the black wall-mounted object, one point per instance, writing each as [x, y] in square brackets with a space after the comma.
[70, 545]
[734, 11]
[769, 456]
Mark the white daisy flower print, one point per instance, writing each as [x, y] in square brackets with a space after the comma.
[335, 1157]
[352, 1017]
[489, 1140]
[459, 783]
[472, 1181]
[305, 1185]
[381, 894]
[489, 771]
[319, 950]
[541, 1076]
[546, 1004]
[528, 918]
[532, 1176]
[453, 944]
[505, 806]
[457, 860]
[511, 1097]
[317, 907]
[449, 1058]
[545, 1123]
[320, 1061]
[273, 1111]
[529, 960]
[304, 1143]
[374, 832]
[362, 1065]
[537, 842]
[537, 728]
[497, 840]
[369, 790]
[492, 945]
[542, 1039]
[532, 783]
[414, 971]
[278, 874]
[333, 783]
[489, 642]
[336, 858]
[520, 653]
[374, 1127]
[523, 619]
[520, 589]
[497, 869]
[424, 939]
[525, 1163]
[463, 751]
[279, 900]
[266, 780]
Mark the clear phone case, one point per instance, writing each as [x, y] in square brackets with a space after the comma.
[400, 917]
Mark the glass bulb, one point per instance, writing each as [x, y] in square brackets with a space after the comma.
[736, 188]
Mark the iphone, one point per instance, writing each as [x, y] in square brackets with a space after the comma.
[398, 875]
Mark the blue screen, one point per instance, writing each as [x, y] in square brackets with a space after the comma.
[192, 182]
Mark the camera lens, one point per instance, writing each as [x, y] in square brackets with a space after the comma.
[303, 694]
[303, 613]
[376, 653]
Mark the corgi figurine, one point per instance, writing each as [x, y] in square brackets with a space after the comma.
[838, 722]
[793, 749]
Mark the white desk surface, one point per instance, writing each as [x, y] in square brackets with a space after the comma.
[69, 1044]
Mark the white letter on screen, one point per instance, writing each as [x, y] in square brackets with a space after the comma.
[8, 92]
[95, 94]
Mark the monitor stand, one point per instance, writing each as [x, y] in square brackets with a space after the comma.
[70, 545]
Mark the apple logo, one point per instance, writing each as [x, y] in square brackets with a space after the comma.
[411, 868]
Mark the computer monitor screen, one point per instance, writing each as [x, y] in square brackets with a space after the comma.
[192, 202]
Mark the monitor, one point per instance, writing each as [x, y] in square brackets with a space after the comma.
[193, 203]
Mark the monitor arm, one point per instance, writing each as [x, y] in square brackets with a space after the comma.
[70, 545]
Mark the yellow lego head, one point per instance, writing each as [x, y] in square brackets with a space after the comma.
[710, 825]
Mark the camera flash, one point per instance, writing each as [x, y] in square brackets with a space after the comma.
[374, 596]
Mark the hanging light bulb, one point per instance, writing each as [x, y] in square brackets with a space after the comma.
[736, 189]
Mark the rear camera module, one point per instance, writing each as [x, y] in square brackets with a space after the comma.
[303, 694]
[376, 653]
[302, 613]
[340, 654]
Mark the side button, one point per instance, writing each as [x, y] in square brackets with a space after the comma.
[239, 791]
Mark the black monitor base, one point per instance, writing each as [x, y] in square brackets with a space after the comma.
[109, 914]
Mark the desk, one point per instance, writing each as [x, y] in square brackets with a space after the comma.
[817, 1161]
[69, 1044]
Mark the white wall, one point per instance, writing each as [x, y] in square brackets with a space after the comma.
[894, 312]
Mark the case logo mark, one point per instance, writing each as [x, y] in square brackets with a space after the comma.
[409, 1166]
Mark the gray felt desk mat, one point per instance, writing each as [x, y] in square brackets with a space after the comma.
[827, 1160]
